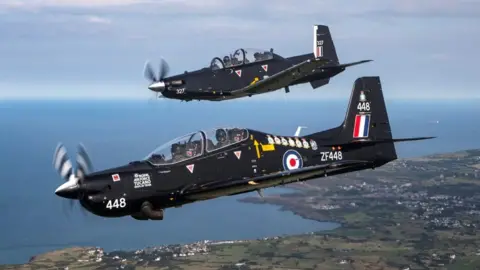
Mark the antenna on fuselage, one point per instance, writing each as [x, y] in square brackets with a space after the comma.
[297, 133]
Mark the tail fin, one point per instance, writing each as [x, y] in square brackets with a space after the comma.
[366, 131]
[367, 116]
[323, 46]
[366, 121]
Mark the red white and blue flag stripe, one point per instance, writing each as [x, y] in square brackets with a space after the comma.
[361, 127]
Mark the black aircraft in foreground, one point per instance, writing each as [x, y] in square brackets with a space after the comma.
[248, 72]
[227, 161]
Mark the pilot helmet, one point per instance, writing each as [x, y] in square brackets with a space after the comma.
[176, 148]
[221, 135]
[226, 59]
[191, 149]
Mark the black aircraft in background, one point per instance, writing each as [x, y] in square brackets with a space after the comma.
[227, 161]
[248, 72]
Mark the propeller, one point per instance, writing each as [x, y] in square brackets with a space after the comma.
[156, 83]
[73, 182]
[155, 96]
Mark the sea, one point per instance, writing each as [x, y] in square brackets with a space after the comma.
[34, 220]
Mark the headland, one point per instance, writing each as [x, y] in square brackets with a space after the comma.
[416, 213]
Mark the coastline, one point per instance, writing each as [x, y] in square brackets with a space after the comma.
[415, 212]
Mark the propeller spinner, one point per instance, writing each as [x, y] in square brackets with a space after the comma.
[156, 83]
[73, 186]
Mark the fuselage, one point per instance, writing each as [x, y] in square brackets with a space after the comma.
[211, 172]
[216, 82]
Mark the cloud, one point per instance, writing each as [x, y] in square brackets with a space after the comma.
[268, 7]
[97, 20]
[107, 42]
[437, 7]
[251, 19]
[68, 3]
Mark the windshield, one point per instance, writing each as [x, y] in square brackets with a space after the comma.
[178, 150]
[191, 145]
[240, 57]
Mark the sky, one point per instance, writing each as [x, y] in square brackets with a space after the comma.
[96, 49]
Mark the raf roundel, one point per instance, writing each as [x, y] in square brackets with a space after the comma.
[292, 160]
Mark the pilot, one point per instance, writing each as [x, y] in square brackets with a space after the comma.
[192, 149]
[226, 61]
[157, 158]
[235, 61]
[236, 135]
[221, 137]
[178, 153]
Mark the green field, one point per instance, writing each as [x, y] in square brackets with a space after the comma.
[419, 213]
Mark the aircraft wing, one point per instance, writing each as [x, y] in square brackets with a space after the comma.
[236, 186]
[281, 79]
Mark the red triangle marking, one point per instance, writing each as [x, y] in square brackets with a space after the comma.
[190, 167]
[238, 154]
[265, 67]
[239, 72]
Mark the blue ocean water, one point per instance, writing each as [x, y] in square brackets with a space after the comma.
[33, 219]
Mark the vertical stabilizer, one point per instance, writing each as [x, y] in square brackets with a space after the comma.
[365, 134]
[323, 46]
[367, 116]
[367, 123]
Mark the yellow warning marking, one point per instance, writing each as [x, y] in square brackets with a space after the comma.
[256, 147]
[265, 147]
[255, 80]
[252, 183]
[268, 147]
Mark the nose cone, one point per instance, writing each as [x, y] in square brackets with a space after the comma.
[157, 86]
[68, 190]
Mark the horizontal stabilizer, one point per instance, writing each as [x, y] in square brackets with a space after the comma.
[412, 139]
[347, 65]
[319, 83]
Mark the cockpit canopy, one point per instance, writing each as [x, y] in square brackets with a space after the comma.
[240, 57]
[195, 144]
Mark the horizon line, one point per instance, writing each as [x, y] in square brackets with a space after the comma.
[280, 99]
